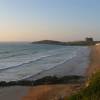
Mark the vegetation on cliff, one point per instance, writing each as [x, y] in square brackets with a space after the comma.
[90, 91]
[73, 43]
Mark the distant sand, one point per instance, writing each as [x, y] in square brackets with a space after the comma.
[94, 60]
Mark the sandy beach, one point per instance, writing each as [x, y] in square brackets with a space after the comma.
[94, 65]
[51, 92]
[13, 93]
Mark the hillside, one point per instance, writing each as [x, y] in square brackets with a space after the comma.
[90, 92]
[73, 43]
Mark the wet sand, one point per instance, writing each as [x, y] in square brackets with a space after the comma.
[13, 93]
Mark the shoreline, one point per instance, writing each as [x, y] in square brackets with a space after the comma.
[94, 65]
[69, 91]
[66, 89]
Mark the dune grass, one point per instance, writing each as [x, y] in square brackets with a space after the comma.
[90, 92]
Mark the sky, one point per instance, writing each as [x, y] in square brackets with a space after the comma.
[63, 20]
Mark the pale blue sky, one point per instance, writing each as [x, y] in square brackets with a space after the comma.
[65, 20]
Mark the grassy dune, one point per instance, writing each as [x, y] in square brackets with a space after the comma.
[90, 92]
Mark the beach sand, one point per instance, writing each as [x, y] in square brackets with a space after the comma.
[51, 92]
[94, 61]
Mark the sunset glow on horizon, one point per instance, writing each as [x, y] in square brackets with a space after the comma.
[63, 20]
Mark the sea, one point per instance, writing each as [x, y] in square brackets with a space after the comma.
[23, 60]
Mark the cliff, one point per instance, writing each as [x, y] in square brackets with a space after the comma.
[74, 43]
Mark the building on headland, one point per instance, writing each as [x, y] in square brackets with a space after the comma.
[90, 41]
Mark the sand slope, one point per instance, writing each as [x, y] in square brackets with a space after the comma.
[94, 60]
[50, 92]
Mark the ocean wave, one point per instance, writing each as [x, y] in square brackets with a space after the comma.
[8, 54]
[31, 61]
[35, 60]
[14, 55]
[4, 52]
[28, 77]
